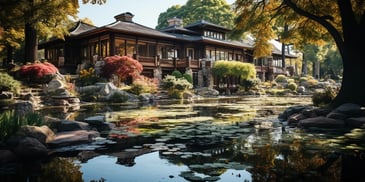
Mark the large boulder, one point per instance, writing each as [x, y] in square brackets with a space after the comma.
[68, 138]
[42, 133]
[30, 148]
[321, 122]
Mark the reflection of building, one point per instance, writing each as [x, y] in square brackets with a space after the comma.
[160, 51]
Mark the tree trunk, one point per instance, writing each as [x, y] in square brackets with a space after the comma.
[352, 87]
[9, 54]
[31, 43]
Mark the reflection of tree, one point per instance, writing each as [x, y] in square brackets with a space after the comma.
[292, 160]
[61, 170]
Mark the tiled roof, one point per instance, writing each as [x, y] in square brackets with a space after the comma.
[202, 23]
[80, 28]
[192, 38]
[175, 29]
[134, 28]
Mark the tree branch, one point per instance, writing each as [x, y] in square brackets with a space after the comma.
[322, 21]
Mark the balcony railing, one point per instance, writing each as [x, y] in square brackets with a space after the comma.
[168, 63]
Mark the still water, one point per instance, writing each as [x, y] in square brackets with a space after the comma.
[225, 139]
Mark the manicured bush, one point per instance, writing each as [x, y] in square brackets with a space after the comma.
[38, 72]
[322, 98]
[292, 86]
[144, 85]
[281, 79]
[8, 83]
[250, 83]
[87, 77]
[223, 69]
[121, 66]
[188, 77]
[177, 74]
[175, 86]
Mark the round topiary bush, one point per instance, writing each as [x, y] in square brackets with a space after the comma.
[292, 86]
[321, 98]
[38, 72]
[281, 79]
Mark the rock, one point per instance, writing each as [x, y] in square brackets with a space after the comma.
[43, 134]
[24, 107]
[290, 111]
[67, 125]
[55, 84]
[7, 156]
[207, 92]
[95, 120]
[6, 95]
[355, 122]
[337, 115]
[321, 122]
[295, 118]
[351, 109]
[29, 148]
[107, 88]
[73, 137]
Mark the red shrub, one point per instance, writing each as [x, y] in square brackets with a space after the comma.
[122, 66]
[37, 71]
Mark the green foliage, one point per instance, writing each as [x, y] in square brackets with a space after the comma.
[323, 98]
[8, 83]
[10, 122]
[250, 83]
[292, 86]
[144, 85]
[281, 79]
[188, 77]
[175, 86]
[177, 74]
[118, 97]
[87, 77]
[61, 169]
[215, 11]
[223, 69]
[171, 82]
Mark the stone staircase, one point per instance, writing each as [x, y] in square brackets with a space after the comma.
[32, 93]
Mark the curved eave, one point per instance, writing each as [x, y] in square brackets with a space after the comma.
[128, 28]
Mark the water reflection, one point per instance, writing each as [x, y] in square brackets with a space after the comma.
[214, 140]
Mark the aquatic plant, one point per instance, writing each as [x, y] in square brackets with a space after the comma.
[10, 122]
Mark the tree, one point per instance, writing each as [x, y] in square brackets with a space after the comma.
[121, 66]
[100, 2]
[342, 20]
[11, 30]
[38, 19]
[331, 66]
[214, 11]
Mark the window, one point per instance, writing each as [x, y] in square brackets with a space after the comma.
[131, 48]
[190, 52]
[120, 47]
[142, 49]
[104, 48]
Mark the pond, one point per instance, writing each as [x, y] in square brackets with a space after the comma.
[223, 139]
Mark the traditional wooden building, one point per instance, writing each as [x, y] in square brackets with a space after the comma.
[190, 48]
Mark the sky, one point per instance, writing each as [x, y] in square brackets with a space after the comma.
[145, 12]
